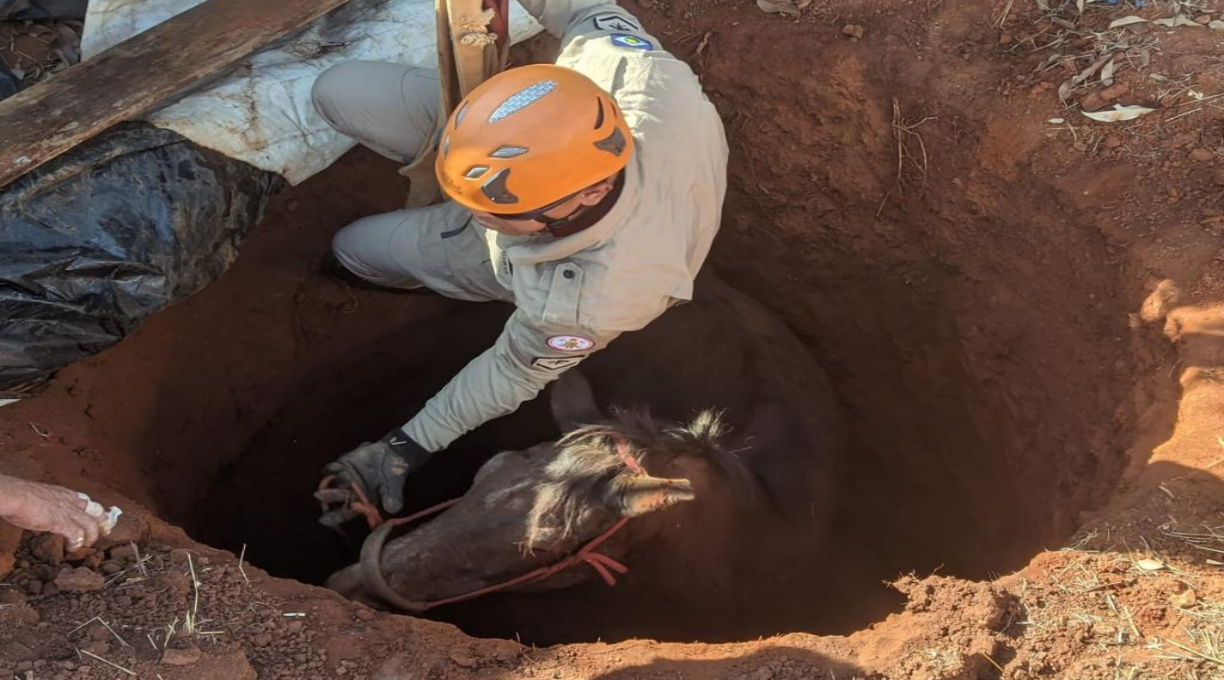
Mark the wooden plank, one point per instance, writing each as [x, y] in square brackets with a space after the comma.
[139, 74]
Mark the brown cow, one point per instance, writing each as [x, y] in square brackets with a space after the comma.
[726, 478]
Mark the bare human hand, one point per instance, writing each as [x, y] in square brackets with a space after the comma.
[45, 507]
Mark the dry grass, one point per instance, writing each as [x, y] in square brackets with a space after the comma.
[1202, 647]
[112, 664]
[189, 623]
[702, 43]
[1205, 645]
[1095, 55]
[1002, 19]
[241, 560]
[1096, 609]
[191, 618]
[913, 161]
[1204, 641]
[905, 133]
[1206, 539]
[1076, 38]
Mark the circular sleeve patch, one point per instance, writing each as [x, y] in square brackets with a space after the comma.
[631, 41]
[570, 343]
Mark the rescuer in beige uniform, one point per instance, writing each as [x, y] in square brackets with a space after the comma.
[587, 193]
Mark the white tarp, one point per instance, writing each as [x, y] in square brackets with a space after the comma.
[261, 113]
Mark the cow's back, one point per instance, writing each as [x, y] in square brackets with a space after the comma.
[726, 351]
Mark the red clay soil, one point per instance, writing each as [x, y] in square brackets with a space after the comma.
[1020, 309]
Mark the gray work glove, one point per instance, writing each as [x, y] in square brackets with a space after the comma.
[378, 470]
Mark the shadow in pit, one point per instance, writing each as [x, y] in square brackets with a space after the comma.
[768, 663]
[263, 498]
[280, 359]
[1166, 515]
[189, 390]
[639, 660]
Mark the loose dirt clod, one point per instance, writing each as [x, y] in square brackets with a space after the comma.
[48, 547]
[1093, 101]
[1113, 92]
[1202, 155]
[784, 7]
[181, 656]
[79, 580]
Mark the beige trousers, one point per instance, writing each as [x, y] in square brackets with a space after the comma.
[393, 109]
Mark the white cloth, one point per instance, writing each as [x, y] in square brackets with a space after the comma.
[261, 113]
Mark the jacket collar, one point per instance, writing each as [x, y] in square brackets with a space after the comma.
[587, 219]
[544, 247]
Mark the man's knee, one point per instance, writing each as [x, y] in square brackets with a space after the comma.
[351, 246]
[333, 89]
[366, 250]
[390, 108]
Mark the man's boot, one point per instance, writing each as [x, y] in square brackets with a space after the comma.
[333, 268]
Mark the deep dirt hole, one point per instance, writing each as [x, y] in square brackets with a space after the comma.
[964, 508]
[962, 459]
[973, 336]
[974, 323]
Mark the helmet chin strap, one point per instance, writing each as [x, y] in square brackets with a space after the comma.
[553, 226]
[585, 216]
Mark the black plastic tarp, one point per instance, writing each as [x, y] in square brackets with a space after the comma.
[24, 10]
[10, 84]
[96, 241]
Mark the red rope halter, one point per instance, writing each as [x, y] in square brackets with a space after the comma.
[371, 553]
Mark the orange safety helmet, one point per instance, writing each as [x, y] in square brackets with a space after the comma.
[530, 137]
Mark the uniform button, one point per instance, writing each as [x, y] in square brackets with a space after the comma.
[568, 273]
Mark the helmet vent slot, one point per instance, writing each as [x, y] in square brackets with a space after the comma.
[462, 114]
[522, 99]
[614, 143]
[508, 151]
[496, 191]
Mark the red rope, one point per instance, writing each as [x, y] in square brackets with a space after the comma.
[626, 455]
[358, 503]
[432, 510]
[501, 19]
[602, 564]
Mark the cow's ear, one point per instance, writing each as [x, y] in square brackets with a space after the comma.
[573, 402]
[634, 495]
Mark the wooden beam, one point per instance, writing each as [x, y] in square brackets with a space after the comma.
[140, 74]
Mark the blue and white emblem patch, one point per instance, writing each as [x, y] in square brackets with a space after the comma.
[570, 343]
[631, 41]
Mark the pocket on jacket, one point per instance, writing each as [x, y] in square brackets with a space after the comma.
[564, 295]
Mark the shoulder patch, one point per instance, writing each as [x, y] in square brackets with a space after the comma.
[614, 23]
[631, 41]
[556, 363]
[570, 343]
